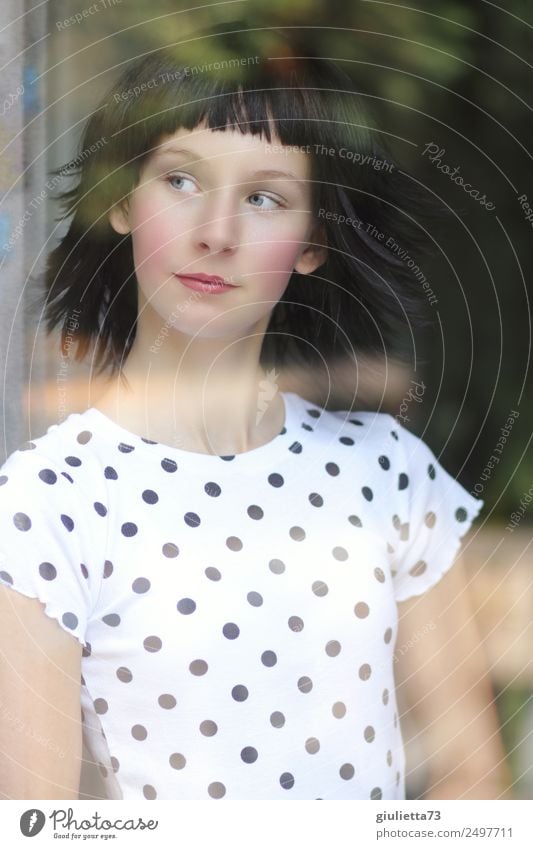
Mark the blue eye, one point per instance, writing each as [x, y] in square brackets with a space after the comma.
[277, 204]
[171, 177]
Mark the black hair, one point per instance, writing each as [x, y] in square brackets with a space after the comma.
[360, 301]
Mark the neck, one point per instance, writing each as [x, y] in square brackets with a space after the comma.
[205, 395]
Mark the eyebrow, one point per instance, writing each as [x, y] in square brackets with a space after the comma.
[263, 172]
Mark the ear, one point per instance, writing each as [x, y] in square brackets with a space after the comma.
[314, 254]
[118, 217]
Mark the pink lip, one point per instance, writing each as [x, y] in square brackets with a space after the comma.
[205, 283]
[207, 278]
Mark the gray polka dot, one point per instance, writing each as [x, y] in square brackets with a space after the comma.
[295, 623]
[216, 790]
[286, 780]
[129, 529]
[255, 512]
[418, 569]
[208, 728]
[387, 637]
[5, 576]
[389, 757]
[276, 566]
[361, 609]
[170, 550]
[268, 658]
[100, 706]
[150, 497]
[347, 771]
[430, 519]
[379, 574]
[369, 734]
[48, 476]
[239, 693]
[70, 620]
[192, 520]
[177, 760]
[169, 466]
[152, 643]
[385, 696]
[212, 573]
[312, 745]
[249, 755]
[340, 553]
[22, 521]
[365, 671]
[231, 631]
[47, 571]
[376, 793]
[277, 719]
[140, 585]
[305, 685]
[111, 619]
[320, 588]
[167, 701]
[338, 710]
[297, 533]
[124, 674]
[186, 606]
[255, 599]
[149, 792]
[198, 667]
[139, 732]
[234, 543]
[108, 568]
[333, 648]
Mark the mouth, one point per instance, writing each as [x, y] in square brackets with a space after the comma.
[209, 283]
[207, 278]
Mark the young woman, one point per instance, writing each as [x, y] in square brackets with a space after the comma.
[220, 563]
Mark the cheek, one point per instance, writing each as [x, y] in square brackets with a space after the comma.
[275, 258]
[154, 233]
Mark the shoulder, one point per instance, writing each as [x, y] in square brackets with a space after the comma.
[54, 463]
[347, 426]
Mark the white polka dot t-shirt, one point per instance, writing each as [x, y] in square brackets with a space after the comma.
[238, 614]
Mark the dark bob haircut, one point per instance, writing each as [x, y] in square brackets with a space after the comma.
[367, 294]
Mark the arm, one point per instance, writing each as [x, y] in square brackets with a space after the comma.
[442, 675]
[40, 728]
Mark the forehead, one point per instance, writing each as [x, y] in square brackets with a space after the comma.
[234, 149]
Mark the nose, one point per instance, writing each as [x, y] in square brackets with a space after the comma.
[217, 229]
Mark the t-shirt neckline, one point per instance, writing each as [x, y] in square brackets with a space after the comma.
[283, 444]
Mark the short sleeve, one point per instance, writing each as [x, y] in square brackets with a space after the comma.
[47, 549]
[433, 513]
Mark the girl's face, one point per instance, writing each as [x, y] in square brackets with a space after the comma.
[214, 202]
